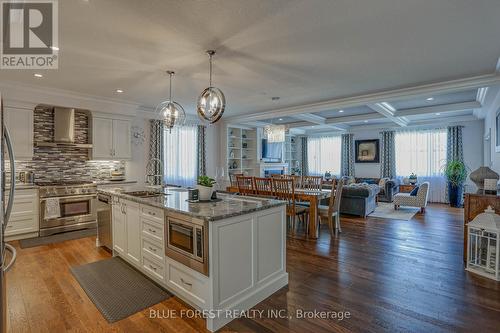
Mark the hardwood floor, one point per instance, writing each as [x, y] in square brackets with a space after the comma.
[391, 276]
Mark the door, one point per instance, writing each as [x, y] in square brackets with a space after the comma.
[20, 125]
[119, 228]
[133, 232]
[121, 139]
[102, 137]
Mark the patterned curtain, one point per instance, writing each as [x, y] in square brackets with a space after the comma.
[387, 155]
[202, 150]
[454, 147]
[347, 155]
[155, 151]
[303, 158]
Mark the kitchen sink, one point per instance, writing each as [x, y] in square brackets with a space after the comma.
[144, 194]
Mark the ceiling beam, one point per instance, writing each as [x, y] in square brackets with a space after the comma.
[387, 111]
[319, 120]
[350, 119]
[439, 109]
[467, 83]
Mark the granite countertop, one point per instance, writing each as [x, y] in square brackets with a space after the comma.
[175, 199]
[114, 182]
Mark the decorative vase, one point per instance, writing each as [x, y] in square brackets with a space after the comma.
[479, 175]
[455, 195]
[205, 192]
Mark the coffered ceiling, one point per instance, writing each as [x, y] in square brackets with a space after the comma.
[300, 50]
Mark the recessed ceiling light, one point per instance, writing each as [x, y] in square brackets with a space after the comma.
[366, 121]
[438, 114]
[55, 48]
[341, 111]
[37, 75]
[281, 119]
[430, 99]
[312, 126]
[119, 91]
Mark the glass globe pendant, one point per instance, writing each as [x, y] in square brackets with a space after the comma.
[211, 103]
[170, 112]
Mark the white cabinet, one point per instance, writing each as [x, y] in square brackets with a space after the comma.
[133, 231]
[20, 125]
[127, 230]
[111, 138]
[121, 139]
[23, 221]
[119, 227]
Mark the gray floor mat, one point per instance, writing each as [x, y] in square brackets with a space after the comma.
[117, 289]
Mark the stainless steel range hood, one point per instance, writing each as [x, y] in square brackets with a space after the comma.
[64, 130]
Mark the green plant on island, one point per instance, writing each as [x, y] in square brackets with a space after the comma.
[206, 181]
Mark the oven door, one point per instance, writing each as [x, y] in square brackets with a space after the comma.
[74, 209]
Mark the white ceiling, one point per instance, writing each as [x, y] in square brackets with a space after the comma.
[301, 50]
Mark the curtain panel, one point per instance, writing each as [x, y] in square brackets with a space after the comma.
[202, 151]
[155, 151]
[387, 155]
[324, 154]
[303, 158]
[347, 155]
[454, 148]
[423, 152]
[180, 155]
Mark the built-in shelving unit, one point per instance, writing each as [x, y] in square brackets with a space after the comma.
[291, 151]
[241, 150]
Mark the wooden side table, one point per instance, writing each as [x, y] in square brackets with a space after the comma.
[406, 188]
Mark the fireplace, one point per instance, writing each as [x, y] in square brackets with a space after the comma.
[269, 169]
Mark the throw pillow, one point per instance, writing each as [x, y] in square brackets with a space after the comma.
[382, 182]
[414, 192]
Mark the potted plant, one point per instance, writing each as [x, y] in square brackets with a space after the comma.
[205, 187]
[456, 175]
[412, 179]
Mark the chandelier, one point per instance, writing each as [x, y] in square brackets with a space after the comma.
[211, 103]
[170, 112]
[275, 133]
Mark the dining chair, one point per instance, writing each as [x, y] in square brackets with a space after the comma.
[245, 185]
[332, 211]
[263, 186]
[284, 189]
[232, 178]
[297, 180]
[314, 183]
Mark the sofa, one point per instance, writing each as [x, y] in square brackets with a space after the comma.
[387, 187]
[359, 199]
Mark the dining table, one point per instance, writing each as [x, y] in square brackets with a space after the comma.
[314, 198]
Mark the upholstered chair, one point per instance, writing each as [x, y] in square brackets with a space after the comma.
[419, 200]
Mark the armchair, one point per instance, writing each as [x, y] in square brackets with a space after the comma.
[419, 200]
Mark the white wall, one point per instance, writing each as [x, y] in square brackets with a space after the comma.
[489, 124]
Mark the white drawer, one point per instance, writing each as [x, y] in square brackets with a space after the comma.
[152, 213]
[152, 230]
[189, 284]
[21, 227]
[153, 249]
[153, 268]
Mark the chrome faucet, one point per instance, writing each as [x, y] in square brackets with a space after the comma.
[148, 177]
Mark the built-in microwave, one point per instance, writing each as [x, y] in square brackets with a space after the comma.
[187, 242]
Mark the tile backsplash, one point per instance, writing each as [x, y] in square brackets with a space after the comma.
[68, 163]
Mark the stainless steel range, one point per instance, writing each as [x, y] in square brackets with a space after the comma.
[75, 205]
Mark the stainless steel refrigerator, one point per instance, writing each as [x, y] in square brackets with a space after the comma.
[5, 210]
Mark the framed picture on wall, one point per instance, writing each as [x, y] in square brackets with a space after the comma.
[367, 151]
[497, 132]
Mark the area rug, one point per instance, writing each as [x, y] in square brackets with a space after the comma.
[57, 238]
[386, 210]
[117, 289]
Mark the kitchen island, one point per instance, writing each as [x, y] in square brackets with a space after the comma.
[220, 257]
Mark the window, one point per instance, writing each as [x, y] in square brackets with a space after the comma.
[323, 154]
[180, 155]
[423, 152]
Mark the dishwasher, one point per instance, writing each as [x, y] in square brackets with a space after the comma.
[104, 226]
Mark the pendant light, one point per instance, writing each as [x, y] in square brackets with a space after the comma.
[170, 112]
[275, 133]
[211, 103]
